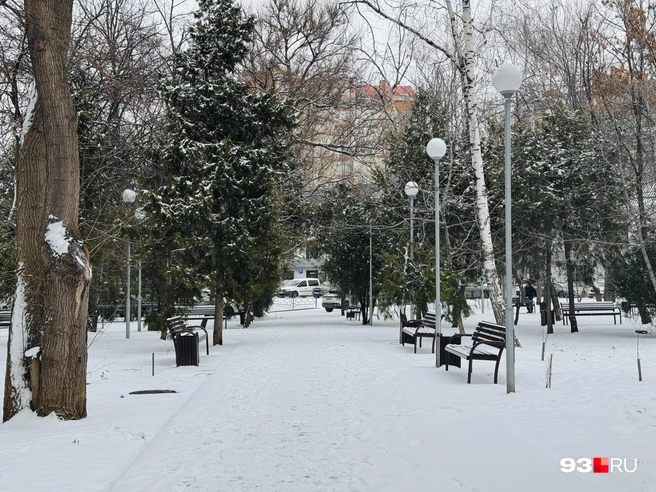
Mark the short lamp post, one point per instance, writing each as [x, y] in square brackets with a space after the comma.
[436, 149]
[128, 197]
[506, 80]
[411, 190]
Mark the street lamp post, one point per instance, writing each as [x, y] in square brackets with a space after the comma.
[411, 190]
[371, 274]
[140, 216]
[436, 149]
[507, 79]
[376, 197]
[139, 295]
[128, 197]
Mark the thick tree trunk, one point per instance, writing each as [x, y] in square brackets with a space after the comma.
[50, 313]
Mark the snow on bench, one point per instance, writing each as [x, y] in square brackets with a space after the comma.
[601, 308]
[416, 329]
[487, 343]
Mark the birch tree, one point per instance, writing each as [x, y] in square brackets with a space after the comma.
[47, 353]
[464, 55]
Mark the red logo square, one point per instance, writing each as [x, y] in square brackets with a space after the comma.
[600, 465]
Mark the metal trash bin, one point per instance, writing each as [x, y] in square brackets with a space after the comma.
[440, 343]
[186, 349]
[543, 314]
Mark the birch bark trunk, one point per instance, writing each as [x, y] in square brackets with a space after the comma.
[465, 55]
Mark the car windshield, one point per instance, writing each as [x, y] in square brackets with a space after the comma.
[292, 283]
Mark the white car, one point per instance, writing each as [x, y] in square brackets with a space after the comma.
[299, 287]
[331, 301]
[600, 284]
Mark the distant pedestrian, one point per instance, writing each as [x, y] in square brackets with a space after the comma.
[530, 293]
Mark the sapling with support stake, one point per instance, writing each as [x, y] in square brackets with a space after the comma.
[639, 332]
[549, 369]
[544, 334]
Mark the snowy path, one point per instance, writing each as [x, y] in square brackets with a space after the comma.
[310, 407]
[306, 401]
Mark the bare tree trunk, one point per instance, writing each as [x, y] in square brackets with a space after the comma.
[217, 337]
[549, 290]
[574, 326]
[50, 313]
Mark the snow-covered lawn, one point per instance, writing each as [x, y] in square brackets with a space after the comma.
[308, 401]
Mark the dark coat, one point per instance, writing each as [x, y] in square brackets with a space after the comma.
[530, 291]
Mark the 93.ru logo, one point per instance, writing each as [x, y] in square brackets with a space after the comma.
[599, 465]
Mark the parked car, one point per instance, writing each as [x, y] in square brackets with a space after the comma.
[561, 289]
[599, 284]
[583, 290]
[323, 289]
[331, 301]
[473, 291]
[299, 287]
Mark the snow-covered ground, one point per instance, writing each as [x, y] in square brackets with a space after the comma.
[307, 401]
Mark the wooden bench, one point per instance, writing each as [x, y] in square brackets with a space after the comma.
[353, 313]
[601, 308]
[5, 318]
[487, 343]
[416, 329]
[186, 340]
[524, 302]
[202, 313]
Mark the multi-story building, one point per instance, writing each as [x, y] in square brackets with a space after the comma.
[352, 138]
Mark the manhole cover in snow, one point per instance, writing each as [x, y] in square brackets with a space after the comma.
[151, 392]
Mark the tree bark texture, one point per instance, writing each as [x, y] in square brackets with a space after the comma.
[50, 310]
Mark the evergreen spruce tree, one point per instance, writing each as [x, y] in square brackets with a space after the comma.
[562, 190]
[215, 201]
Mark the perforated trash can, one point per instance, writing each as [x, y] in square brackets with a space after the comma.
[441, 343]
[543, 314]
[186, 349]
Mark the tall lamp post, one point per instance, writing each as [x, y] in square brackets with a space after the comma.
[436, 149]
[140, 216]
[128, 197]
[371, 273]
[375, 197]
[507, 79]
[411, 190]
